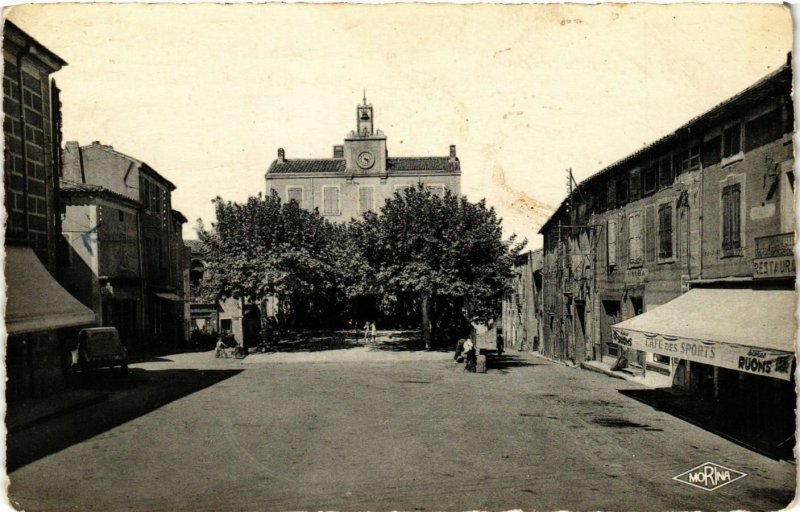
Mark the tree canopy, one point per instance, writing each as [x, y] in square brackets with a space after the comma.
[421, 245]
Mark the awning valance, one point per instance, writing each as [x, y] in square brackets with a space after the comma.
[749, 330]
[36, 302]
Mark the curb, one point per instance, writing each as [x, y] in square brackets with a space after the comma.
[75, 406]
[603, 371]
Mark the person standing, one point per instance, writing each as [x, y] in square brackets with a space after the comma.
[366, 332]
[373, 333]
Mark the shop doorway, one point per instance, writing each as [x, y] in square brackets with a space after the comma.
[611, 314]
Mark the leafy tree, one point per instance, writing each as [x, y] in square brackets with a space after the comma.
[438, 248]
[263, 248]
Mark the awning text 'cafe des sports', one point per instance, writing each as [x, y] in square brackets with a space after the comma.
[752, 331]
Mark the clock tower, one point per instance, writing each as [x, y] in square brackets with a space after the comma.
[365, 147]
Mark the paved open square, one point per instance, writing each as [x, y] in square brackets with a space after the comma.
[404, 431]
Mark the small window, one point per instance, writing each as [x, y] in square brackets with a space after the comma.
[732, 140]
[650, 179]
[295, 194]
[622, 191]
[437, 190]
[710, 152]
[689, 159]
[636, 184]
[665, 172]
[731, 218]
[611, 194]
[763, 129]
[226, 325]
[121, 215]
[665, 231]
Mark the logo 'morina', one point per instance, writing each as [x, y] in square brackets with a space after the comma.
[709, 476]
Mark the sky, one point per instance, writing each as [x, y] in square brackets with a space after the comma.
[205, 94]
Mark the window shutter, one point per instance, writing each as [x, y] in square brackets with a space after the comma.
[365, 199]
[735, 220]
[665, 231]
[635, 239]
[612, 242]
[636, 180]
[330, 200]
[650, 233]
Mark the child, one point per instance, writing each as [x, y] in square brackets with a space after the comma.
[373, 333]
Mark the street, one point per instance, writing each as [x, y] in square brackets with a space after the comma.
[402, 431]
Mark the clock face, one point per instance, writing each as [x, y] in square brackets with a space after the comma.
[365, 160]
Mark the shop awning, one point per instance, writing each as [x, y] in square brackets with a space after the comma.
[749, 330]
[168, 296]
[36, 302]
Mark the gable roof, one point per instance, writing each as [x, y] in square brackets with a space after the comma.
[142, 165]
[338, 165]
[773, 83]
[74, 189]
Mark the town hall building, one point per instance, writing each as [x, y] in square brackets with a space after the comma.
[361, 175]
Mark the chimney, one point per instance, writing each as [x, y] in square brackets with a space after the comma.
[72, 168]
[95, 143]
[338, 151]
[281, 156]
[452, 154]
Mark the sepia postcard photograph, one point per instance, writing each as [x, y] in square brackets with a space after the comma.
[399, 257]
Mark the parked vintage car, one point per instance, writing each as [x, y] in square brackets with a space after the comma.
[99, 347]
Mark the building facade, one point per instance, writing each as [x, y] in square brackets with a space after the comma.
[124, 248]
[40, 316]
[706, 211]
[361, 175]
[521, 309]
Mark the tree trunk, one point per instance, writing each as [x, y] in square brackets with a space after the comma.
[426, 320]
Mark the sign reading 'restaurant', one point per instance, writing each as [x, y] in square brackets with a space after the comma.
[774, 257]
[758, 361]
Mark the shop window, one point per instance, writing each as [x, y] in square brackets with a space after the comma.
[658, 358]
[226, 325]
[731, 218]
[732, 140]
[665, 231]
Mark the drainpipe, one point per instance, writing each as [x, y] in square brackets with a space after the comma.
[142, 290]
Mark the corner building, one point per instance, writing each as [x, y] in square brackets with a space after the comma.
[680, 256]
[361, 175]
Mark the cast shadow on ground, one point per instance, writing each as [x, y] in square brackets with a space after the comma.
[140, 393]
[773, 437]
[501, 363]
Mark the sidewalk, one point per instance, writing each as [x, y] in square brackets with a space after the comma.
[27, 413]
[605, 366]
